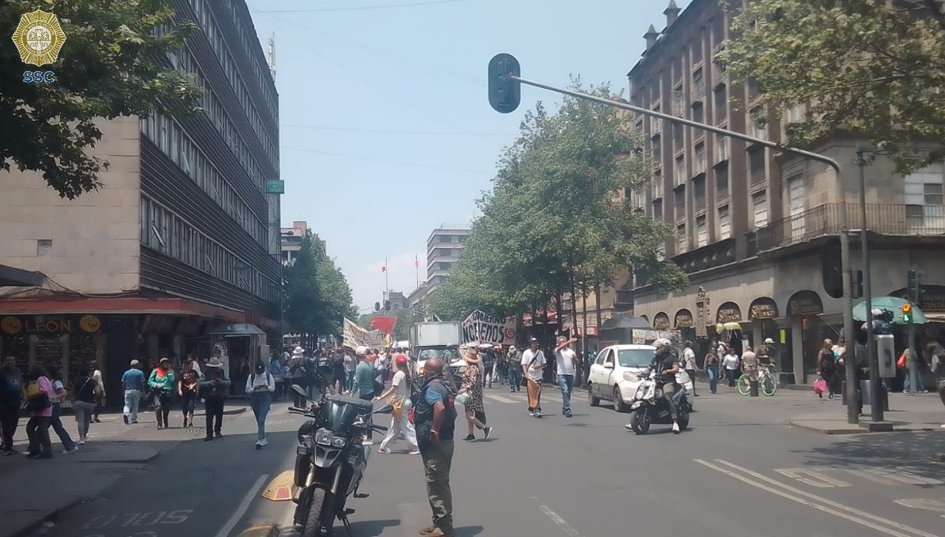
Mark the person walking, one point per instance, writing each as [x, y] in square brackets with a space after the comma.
[298, 375]
[730, 363]
[566, 365]
[338, 372]
[435, 418]
[472, 388]
[827, 368]
[11, 396]
[188, 389]
[61, 395]
[350, 364]
[214, 386]
[514, 369]
[163, 384]
[364, 387]
[533, 365]
[690, 366]
[39, 397]
[275, 369]
[132, 382]
[400, 403]
[85, 393]
[100, 399]
[259, 388]
[711, 365]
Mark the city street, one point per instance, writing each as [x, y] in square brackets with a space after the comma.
[739, 470]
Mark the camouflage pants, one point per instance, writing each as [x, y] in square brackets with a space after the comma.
[436, 465]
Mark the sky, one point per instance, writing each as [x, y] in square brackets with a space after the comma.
[385, 128]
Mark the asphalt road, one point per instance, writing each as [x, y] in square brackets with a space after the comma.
[738, 471]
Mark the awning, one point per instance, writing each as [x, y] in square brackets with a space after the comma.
[236, 330]
[14, 277]
[935, 316]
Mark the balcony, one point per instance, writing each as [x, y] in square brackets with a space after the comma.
[824, 220]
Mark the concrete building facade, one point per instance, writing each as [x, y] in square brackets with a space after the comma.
[757, 230]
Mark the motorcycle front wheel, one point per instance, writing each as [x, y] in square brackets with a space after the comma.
[314, 522]
[640, 421]
[683, 420]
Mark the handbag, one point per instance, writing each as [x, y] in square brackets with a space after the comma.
[820, 386]
[36, 399]
[901, 363]
[463, 398]
[397, 406]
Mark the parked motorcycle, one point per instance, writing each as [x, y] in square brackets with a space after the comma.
[648, 407]
[330, 460]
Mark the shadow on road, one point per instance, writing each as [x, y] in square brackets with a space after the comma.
[908, 451]
[371, 528]
[467, 531]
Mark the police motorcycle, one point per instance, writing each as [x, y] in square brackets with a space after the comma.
[330, 460]
[648, 405]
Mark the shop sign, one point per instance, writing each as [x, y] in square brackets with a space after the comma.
[50, 324]
[275, 186]
[683, 319]
[805, 303]
[932, 298]
[762, 308]
[729, 313]
[661, 321]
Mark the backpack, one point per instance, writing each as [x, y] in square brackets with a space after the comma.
[423, 413]
[36, 399]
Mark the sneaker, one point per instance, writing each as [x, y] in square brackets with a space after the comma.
[417, 451]
[218, 434]
[675, 428]
[384, 451]
[96, 420]
[258, 444]
[32, 455]
[71, 451]
[470, 437]
[8, 452]
[488, 431]
[125, 419]
[264, 442]
[537, 414]
[567, 414]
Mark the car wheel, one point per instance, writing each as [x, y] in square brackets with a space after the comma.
[619, 405]
[594, 401]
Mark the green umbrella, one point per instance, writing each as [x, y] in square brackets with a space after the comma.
[892, 304]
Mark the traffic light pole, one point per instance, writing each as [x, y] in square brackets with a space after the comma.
[876, 406]
[852, 408]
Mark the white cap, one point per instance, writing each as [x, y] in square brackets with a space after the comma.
[877, 311]
[361, 350]
[769, 341]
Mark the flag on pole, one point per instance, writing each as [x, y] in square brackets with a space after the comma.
[383, 268]
[416, 262]
[384, 324]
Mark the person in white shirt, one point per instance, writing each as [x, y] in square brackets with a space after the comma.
[689, 364]
[399, 399]
[566, 363]
[259, 388]
[533, 366]
[730, 363]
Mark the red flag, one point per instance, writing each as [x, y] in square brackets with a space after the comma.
[416, 262]
[384, 324]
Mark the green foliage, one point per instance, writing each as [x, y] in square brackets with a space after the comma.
[110, 66]
[317, 295]
[555, 217]
[874, 69]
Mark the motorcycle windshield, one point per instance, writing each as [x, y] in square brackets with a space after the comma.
[342, 412]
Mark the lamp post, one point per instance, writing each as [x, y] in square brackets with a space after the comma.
[876, 407]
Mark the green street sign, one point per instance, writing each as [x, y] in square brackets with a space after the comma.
[275, 187]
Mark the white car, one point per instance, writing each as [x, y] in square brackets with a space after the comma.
[613, 375]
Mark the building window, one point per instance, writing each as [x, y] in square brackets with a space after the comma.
[656, 189]
[698, 115]
[725, 223]
[722, 148]
[755, 117]
[702, 233]
[678, 138]
[721, 181]
[43, 246]
[682, 242]
[721, 103]
[698, 191]
[658, 210]
[680, 197]
[759, 203]
[679, 169]
[756, 165]
[698, 165]
[924, 198]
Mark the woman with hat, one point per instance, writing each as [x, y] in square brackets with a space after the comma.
[472, 388]
[398, 393]
[162, 382]
[214, 386]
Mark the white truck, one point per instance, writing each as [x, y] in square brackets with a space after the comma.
[436, 340]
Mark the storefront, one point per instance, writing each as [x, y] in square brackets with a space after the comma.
[808, 331]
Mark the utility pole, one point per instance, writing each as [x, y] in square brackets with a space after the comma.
[913, 293]
[504, 79]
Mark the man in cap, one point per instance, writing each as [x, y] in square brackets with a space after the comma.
[132, 382]
[214, 386]
[514, 366]
[533, 367]
[435, 420]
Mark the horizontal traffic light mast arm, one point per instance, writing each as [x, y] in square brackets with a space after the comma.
[732, 134]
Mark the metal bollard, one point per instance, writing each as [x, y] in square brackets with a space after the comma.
[753, 388]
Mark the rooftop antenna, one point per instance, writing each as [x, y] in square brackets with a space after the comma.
[272, 56]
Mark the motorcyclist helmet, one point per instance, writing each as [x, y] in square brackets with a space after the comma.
[662, 344]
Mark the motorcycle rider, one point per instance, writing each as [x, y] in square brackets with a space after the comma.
[666, 364]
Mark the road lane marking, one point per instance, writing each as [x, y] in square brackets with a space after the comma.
[243, 507]
[562, 523]
[894, 477]
[812, 476]
[500, 399]
[287, 526]
[926, 504]
[801, 494]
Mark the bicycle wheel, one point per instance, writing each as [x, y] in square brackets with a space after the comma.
[744, 384]
[769, 385]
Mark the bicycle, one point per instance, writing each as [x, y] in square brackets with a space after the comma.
[767, 381]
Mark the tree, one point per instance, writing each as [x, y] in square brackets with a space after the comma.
[112, 64]
[870, 68]
[556, 221]
[318, 297]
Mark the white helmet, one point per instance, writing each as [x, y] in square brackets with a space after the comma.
[662, 342]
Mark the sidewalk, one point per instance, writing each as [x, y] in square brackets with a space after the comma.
[114, 450]
[908, 413]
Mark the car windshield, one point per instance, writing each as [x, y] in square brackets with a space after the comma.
[635, 357]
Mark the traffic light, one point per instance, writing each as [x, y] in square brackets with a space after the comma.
[377, 306]
[907, 313]
[387, 305]
[912, 287]
[505, 94]
[856, 284]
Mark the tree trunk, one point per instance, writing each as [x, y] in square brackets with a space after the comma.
[597, 307]
[558, 311]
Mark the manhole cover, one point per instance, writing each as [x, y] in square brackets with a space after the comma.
[93, 499]
[121, 471]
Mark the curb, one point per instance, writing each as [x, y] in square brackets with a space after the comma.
[848, 429]
[31, 528]
[270, 530]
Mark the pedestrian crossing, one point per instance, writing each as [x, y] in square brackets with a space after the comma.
[518, 398]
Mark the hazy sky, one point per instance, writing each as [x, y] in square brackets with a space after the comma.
[385, 127]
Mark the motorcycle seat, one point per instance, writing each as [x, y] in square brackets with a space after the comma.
[360, 404]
